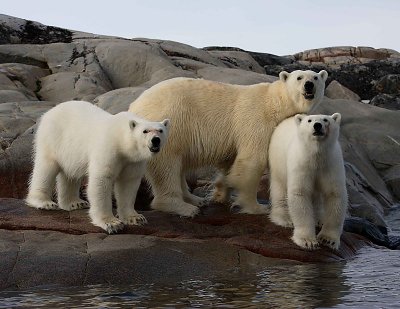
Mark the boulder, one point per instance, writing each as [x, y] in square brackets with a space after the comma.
[336, 91]
[130, 64]
[118, 100]
[388, 101]
[389, 84]
[65, 86]
[238, 60]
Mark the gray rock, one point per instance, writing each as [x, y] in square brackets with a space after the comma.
[65, 86]
[234, 76]
[238, 60]
[32, 258]
[118, 100]
[16, 30]
[388, 101]
[28, 75]
[389, 84]
[336, 91]
[12, 96]
[130, 64]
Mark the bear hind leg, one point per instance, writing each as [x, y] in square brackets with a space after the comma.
[189, 197]
[68, 193]
[42, 183]
[244, 176]
[222, 192]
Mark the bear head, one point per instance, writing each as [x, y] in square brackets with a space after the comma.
[148, 136]
[304, 88]
[319, 128]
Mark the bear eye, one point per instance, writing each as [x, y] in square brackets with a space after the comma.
[146, 131]
[309, 120]
[161, 131]
[325, 120]
[315, 77]
[300, 78]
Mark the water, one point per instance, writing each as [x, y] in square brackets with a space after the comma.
[370, 280]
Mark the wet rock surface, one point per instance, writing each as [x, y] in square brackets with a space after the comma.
[58, 247]
[41, 66]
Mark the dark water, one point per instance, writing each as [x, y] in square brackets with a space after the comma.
[371, 280]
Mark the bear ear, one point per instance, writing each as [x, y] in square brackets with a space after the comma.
[132, 124]
[283, 76]
[298, 118]
[323, 74]
[337, 117]
[166, 122]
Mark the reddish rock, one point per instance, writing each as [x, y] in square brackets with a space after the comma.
[252, 232]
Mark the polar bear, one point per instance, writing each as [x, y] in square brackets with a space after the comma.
[75, 139]
[308, 182]
[224, 126]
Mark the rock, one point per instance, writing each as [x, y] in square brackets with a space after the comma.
[388, 101]
[239, 60]
[118, 100]
[11, 96]
[392, 178]
[16, 30]
[336, 91]
[389, 84]
[130, 64]
[234, 76]
[28, 75]
[66, 86]
[17, 122]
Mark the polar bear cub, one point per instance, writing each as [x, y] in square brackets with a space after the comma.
[77, 139]
[224, 126]
[308, 183]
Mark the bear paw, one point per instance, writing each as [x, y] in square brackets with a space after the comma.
[75, 205]
[281, 218]
[134, 219]
[111, 225]
[253, 209]
[175, 206]
[47, 205]
[309, 243]
[329, 241]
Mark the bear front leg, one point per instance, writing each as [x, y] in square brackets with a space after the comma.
[332, 219]
[125, 188]
[279, 209]
[244, 176]
[68, 193]
[99, 192]
[301, 211]
[42, 183]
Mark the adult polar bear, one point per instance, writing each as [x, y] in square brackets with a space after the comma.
[77, 139]
[308, 182]
[222, 125]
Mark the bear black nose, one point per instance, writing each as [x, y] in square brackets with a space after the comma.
[156, 141]
[317, 126]
[309, 86]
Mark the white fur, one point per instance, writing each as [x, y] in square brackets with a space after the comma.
[308, 183]
[76, 139]
[221, 125]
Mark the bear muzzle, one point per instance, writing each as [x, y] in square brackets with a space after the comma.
[155, 144]
[309, 90]
[319, 129]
